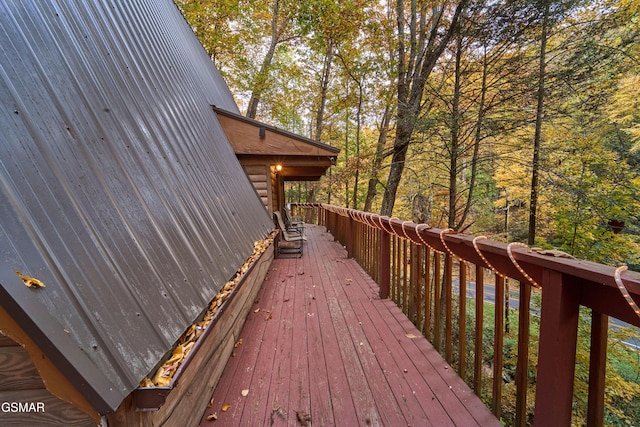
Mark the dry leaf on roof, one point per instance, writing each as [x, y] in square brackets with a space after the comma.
[212, 417]
[226, 407]
[245, 392]
[411, 336]
[30, 281]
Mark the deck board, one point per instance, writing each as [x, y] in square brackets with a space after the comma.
[324, 345]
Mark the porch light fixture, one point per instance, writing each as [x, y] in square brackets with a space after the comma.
[262, 132]
[278, 168]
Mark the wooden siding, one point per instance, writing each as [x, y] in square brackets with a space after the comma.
[20, 381]
[258, 176]
[320, 345]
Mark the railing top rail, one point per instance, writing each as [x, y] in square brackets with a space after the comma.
[600, 290]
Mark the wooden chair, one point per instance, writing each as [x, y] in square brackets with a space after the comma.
[292, 224]
[293, 240]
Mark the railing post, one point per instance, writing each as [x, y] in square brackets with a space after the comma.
[350, 232]
[557, 354]
[597, 368]
[385, 263]
[522, 369]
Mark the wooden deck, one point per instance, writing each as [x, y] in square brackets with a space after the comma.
[321, 348]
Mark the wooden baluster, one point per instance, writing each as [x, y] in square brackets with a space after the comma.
[436, 301]
[411, 312]
[385, 263]
[405, 296]
[477, 357]
[522, 368]
[448, 299]
[399, 269]
[597, 369]
[498, 345]
[419, 284]
[462, 321]
[350, 237]
[426, 328]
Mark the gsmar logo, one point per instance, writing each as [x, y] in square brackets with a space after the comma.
[17, 407]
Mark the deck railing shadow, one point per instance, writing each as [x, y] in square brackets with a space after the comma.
[428, 273]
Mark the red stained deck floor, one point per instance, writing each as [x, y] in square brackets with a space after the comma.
[321, 348]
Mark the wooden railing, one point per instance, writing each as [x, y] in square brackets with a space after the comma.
[419, 267]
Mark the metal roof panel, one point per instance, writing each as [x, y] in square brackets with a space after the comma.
[118, 187]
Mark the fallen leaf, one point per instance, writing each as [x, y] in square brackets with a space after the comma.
[411, 336]
[303, 418]
[553, 252]
[238, 344]
[146, 382]
[268, 316]
[245, 392]
[256, 310]
[280, 413]
[212, 417]
[226, 407]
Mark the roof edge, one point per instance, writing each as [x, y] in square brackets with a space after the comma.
[275, 129]
[45, 333]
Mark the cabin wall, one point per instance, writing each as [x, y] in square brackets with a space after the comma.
[258, 175]
[20, 383]
[188, 400]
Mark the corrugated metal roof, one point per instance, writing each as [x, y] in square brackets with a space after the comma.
[118, 187]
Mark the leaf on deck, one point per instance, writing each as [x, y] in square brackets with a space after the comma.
[303, 418]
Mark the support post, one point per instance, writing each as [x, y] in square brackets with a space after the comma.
[385, 263]
[557, 354]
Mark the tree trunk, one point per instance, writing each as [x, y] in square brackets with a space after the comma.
[263, 74]
[324, 87]
[377, 160]
[454, 151]
[476, 143]
[425, 47]
[400, 147]
[358, 129]
[535, 164]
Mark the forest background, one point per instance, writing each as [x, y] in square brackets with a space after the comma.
[517, 120]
